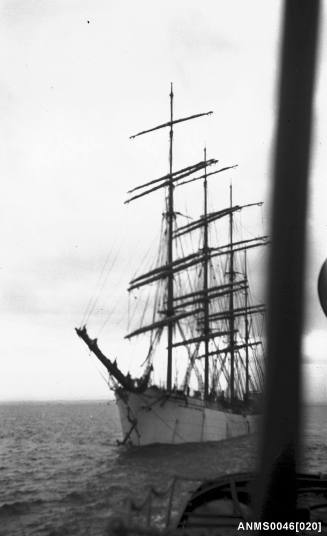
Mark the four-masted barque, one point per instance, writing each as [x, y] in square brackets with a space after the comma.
[202, 308]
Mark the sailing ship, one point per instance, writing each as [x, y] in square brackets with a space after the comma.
[202, 309]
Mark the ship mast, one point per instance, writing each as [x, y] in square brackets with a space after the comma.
[169, 270]
[231, 298]
[170, 221]
[205, 281]
[246, 320]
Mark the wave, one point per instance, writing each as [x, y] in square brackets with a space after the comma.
[73, 496]
[18, 507]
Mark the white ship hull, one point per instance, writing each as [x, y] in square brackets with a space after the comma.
[156, 416]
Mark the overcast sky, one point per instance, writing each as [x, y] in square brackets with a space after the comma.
[79, 77]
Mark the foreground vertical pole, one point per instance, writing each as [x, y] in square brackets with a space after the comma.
[280, 448]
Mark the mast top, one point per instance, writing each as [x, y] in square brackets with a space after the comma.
[171, 122]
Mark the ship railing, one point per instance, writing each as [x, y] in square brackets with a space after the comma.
[159, 511]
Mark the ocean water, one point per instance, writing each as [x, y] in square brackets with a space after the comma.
[62, 473]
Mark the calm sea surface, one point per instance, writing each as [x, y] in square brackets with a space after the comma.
[62, 473]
